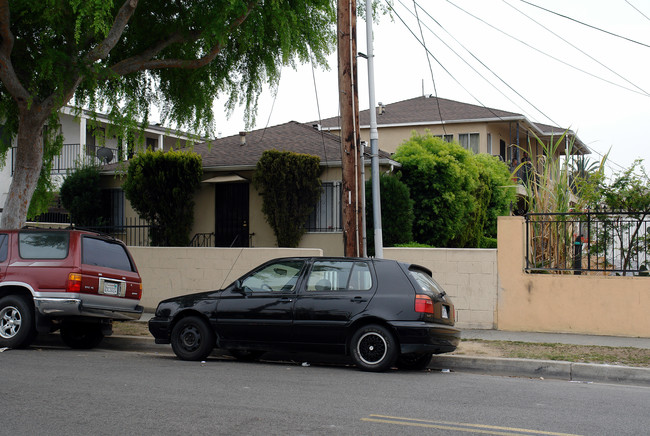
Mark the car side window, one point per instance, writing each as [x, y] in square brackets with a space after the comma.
[43, 245]
[339, 275]
[426, 283]
[99, 252]
[4, 246]
[276, 277]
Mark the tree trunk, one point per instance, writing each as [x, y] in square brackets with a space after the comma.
[28, 163]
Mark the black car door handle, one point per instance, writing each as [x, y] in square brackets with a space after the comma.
[358, 299]
[286, 299]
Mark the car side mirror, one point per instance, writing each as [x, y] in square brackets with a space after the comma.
[238, 287]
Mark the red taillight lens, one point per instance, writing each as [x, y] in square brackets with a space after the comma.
[74, 283]
[423, 304]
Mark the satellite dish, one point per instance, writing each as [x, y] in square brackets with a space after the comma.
[104, 154]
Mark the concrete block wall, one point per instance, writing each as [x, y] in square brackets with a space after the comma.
[469, 276]
[171, 271]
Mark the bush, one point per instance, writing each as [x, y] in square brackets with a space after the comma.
[396, 213]
[81, 196]
[290, 186]
[160, 186]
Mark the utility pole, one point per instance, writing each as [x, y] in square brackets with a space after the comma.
[374, 138]
[352, 183]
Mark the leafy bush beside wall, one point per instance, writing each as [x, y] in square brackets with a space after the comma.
[290, 186]
[160, 186]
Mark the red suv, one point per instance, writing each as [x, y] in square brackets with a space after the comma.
[73, 280]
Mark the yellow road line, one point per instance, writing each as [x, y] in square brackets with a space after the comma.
[459, 426]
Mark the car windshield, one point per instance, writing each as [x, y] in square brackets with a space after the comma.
[426, 283]
[276, 277]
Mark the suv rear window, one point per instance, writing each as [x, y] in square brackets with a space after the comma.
[100, 252]
[43, 245]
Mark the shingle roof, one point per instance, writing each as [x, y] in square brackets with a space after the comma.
[292, 136]
[427, 110]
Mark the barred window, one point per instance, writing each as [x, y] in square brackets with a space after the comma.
[326, 216]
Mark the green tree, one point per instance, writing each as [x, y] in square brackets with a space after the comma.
[396, 213]
[290, 186]
[160, 187]
[616, 235]
[81, 196]
[442, 178]
[496, 192]
[131, 54]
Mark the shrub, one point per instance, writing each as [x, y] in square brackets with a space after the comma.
[160, 186]
[81, 196]
[290, 186]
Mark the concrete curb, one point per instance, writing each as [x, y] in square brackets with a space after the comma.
[576, 372]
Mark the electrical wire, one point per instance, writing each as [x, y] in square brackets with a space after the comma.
[545, 54]
[637, 9]
[390, 6]
[485, 66]
[575, 47]
[585, 24]
[435, 90]
[313, 75]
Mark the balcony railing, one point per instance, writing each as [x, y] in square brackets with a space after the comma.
[71, 156]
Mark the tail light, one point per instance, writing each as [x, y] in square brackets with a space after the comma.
[423, 304]
[74, 283]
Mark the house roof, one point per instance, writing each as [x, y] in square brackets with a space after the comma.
[429, 110]
[227, 154]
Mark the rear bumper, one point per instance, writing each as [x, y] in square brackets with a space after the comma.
[56, 306]
[423, 337]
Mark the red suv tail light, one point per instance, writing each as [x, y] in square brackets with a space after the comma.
[423, 304]
[74, 283]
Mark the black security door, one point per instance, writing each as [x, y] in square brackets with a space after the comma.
[231, 215]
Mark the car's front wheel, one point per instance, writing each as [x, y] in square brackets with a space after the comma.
[81, 335]
[17, 328]
[373, 348]
[192, 338]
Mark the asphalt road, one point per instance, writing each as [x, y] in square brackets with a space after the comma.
[57, 391]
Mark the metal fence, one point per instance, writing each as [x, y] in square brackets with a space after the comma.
[597, 242]
[71, 156]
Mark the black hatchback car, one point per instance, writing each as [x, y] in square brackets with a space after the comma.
[379, 312]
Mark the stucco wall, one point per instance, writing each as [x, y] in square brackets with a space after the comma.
[168, 272]
[591, 304]
[469, 276]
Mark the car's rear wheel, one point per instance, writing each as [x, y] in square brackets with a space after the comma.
[17, 328]
[192, 338]
[246, 355]
[81, 335]
[373, 348]
[413, 361]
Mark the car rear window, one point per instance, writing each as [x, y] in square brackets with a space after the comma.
[43, 245]
[426, 283]
[100, 252]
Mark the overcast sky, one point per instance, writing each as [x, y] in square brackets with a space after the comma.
[607, 103]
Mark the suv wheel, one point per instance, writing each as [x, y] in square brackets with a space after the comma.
[80, 335]
[373, 348]
[16, 322]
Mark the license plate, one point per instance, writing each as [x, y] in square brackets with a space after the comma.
[111, 288]
[445, 312]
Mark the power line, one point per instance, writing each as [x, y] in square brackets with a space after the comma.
[444, 129]
[390, 6]
[637, 9]
[545, 54]
[485, 66]
[587, 25]
[574, 46]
